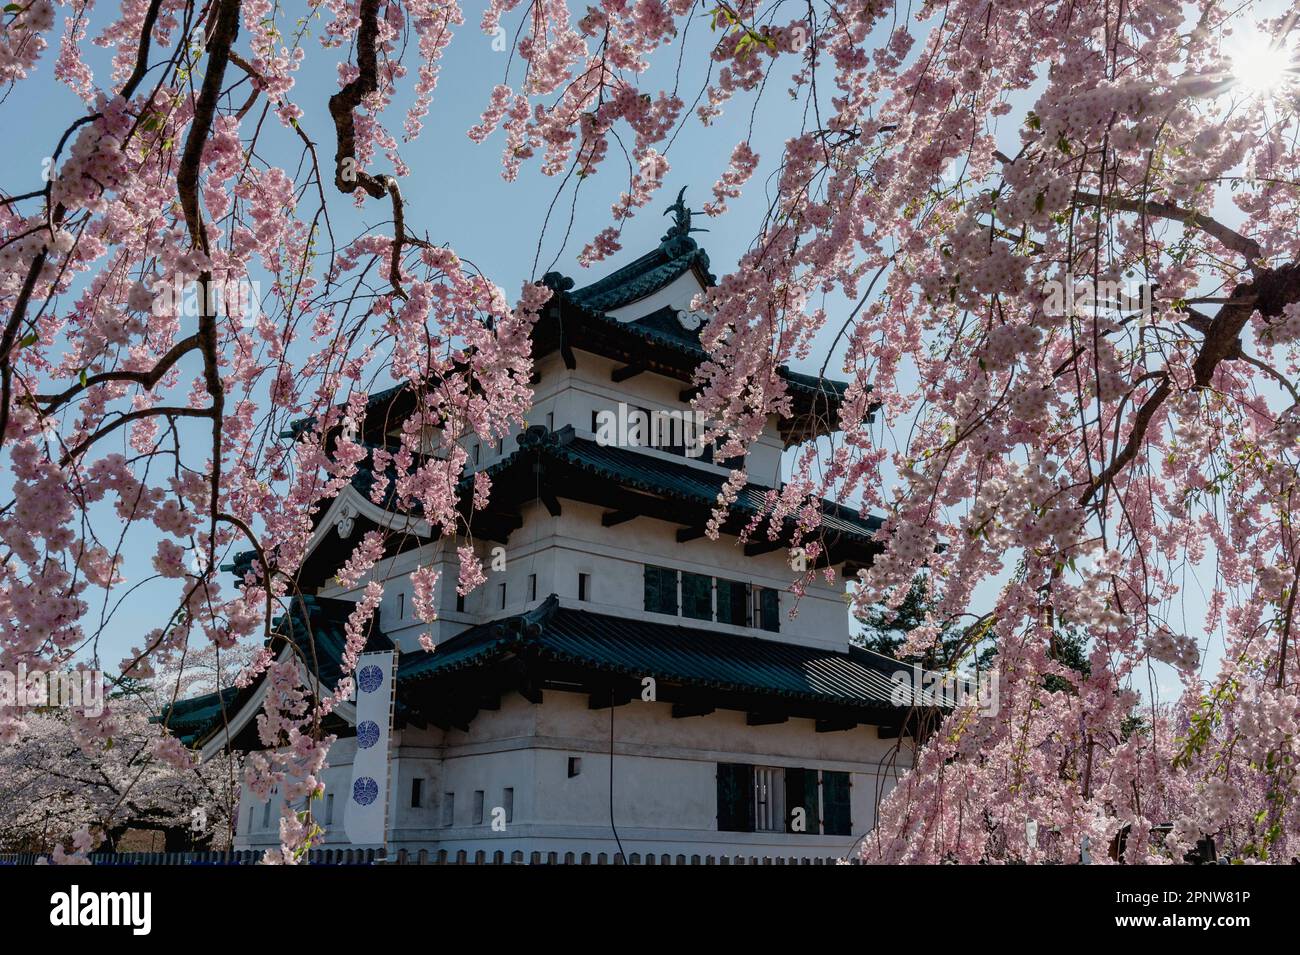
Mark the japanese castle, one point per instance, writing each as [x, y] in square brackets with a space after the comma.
[621, 683]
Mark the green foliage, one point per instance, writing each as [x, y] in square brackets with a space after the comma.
[1069, 648]
[885, 631]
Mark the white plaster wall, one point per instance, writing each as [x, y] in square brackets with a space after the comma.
[571, 395]
[664, 781]
[557, 549]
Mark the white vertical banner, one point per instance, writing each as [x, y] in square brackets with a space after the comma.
[365, 817]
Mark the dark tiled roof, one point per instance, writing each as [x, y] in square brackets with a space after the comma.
[671, 479]
[654, 330]
[674, 257]
[376, 402]
[189, 719]
[474, 646]
[315, 625]
[674, 480]
[690, 656]
[665, 322]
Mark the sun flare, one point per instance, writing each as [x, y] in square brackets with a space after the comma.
[1260, 64]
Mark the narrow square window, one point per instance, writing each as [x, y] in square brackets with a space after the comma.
[501, 445]
[502, 588]
[575, 766]
[448, 808]
[532, 586]
[329, 809]
[417, 792]
[250, 819]
[550, 421]
[401, 606]
[508, 803]
[266, 814]
[474, 454]
[584, 586]
[478, 807]
[460, 603]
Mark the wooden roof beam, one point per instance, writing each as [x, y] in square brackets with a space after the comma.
[520, 676]
[551, 501]
[834, 726]
[625, 372]
[603, 699]
[614, 518]
[754, 548]
[686, 710]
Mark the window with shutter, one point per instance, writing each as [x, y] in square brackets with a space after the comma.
[801, 793]
[769, 609]
[735, 797]
[697, 596]
[769, 799]
[835, 801]
[660, 589]
[733, 603]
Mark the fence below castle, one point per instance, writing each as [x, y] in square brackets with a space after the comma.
[427, 857]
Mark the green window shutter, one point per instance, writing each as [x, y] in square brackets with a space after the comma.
[697, 596]
[724, 601]
[769, 609]
[733, 603]
[801, 792]
[735, 797]
[651, 588]
[811, 800]
[835, 796]
[660, 589]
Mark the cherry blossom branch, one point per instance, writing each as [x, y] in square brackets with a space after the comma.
[1246, 247]
[348, 175]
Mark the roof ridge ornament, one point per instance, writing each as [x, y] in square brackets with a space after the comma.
[677, 240]
[557, 282]
[538, 435]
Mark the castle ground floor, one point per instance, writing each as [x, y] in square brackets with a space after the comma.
[566, 779]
